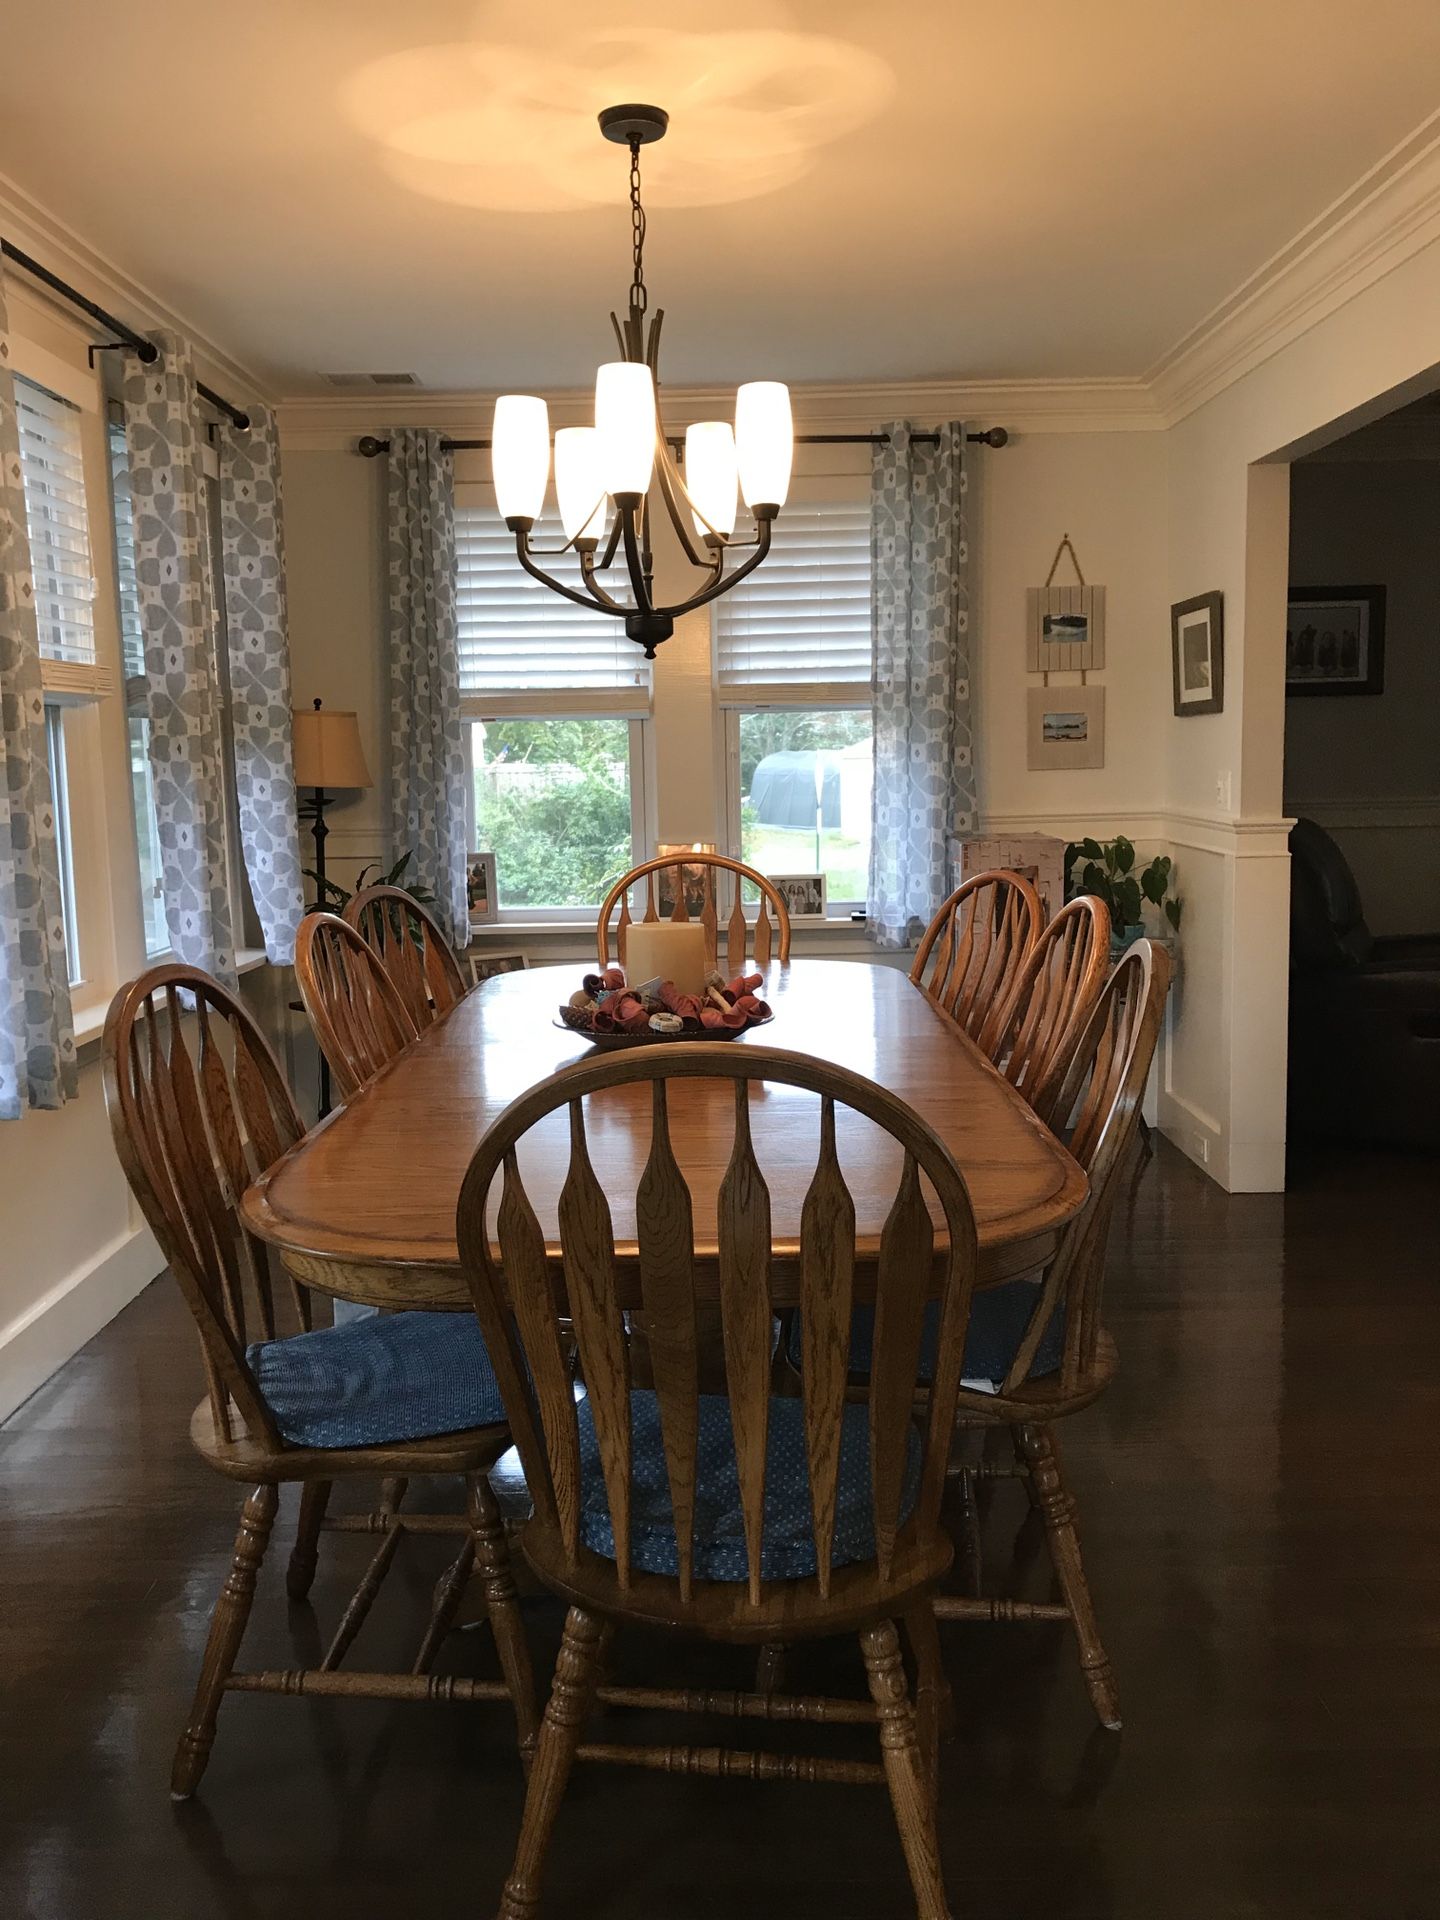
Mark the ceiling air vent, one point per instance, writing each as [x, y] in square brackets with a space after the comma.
[371, 379]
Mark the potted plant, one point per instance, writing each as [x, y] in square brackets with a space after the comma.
[1108, 872]
[331, 897]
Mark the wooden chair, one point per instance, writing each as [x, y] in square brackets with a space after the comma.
[1064, 1359]
[858, 1549]
[973, 948]
[411, 948]
[198, 1108]
[683, 887]
[1031, 1034]
[359, 1018]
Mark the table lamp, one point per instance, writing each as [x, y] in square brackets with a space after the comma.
[328, 755]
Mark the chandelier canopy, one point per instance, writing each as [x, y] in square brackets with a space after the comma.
[606, 474]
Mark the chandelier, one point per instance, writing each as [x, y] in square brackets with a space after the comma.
[626, 457]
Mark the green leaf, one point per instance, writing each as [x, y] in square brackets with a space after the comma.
[1172, 913]
[1127, 896]
[1092, 849]
[1122, 853]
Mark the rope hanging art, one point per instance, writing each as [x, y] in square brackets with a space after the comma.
[1064, 626]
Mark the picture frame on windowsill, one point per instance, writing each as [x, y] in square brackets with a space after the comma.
[481, 889]
[804, 894]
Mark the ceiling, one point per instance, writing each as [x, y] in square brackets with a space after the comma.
[924, 189]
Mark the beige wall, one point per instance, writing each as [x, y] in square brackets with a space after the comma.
[1368, 767]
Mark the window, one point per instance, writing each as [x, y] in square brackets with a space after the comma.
[52, 467]
[792, 660]
[555, 700]
[52, 473]
[137, 723]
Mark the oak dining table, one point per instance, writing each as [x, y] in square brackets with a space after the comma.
[364, 1206]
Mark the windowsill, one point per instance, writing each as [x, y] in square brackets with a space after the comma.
[89, 1024]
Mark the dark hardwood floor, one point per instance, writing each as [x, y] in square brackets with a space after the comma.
[1261, 1499]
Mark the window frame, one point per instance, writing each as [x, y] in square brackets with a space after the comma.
[635, 707]
[731, 703]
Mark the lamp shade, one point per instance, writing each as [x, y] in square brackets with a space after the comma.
[579, 488]
[520, 455]
[764, 442]
[327, 749]
[710, 475]
[625, 422]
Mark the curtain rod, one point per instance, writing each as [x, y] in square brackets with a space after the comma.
[369, 446]
[144, 350]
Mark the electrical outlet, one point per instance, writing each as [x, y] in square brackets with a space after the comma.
[1222, 790]
[1202, 1149]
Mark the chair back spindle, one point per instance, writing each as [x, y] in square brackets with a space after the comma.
[198, 1110]
[973, 948]
[1031, 1033]
[411, 948]
[1100, 1098]
[769, 935]
[522, 1305]
[359, 1018]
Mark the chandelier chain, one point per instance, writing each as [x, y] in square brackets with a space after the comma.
[638, 297]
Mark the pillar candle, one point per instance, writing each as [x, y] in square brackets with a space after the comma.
[667, 950]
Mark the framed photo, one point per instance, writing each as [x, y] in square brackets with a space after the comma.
[480, 887]
[485, 966]
[1065, 629]
[1335, 640]
[803, 894]
[1066, 728]
[1197, 653]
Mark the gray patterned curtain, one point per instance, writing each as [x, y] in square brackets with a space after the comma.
[186, 752]
[427, 764]
[920, 605]
[37, 1041]
[253, 568]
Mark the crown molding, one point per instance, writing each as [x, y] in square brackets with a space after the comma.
[327, 422]
[36, 230]
[1386, 217]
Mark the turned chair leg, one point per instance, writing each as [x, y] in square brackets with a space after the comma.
[497, 1583]
[305, 1554]
[905, 1770]
[934, 1702]
[571, 1697]
[227, 1629]
[1036, 1445]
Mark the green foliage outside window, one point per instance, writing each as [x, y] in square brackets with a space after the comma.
[560, 831]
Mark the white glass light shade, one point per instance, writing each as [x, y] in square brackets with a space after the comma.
[625, 422]
[764, 442]
[579, 487]
[520, 455]
[710, 475]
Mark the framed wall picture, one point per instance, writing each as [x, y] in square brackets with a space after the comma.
[803, 894]
[1064, 629]
[480, 887]
[485, 966]
[1197, 653]
[1066, 728]
[1335, 640]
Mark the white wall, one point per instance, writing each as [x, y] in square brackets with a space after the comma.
[1367, 767]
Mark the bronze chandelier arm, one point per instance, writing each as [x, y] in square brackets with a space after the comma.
[605, 599]
[716, 586]
[522, 554]
[634, 565]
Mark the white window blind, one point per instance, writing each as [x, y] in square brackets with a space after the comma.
[524, 649]
[798, 630]
[52, 472]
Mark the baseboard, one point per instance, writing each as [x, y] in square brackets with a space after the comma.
[57, 1326]
[1198, 1137]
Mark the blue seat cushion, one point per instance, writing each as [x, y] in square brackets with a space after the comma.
[387, 1377]
[787, 1550]
[998, 1319]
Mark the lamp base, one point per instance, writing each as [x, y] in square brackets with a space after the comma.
[648, 630]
